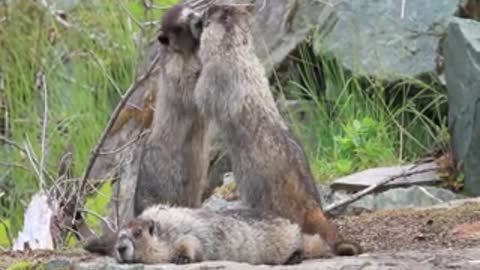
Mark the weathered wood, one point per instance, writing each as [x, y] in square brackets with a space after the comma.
[370, 177]
[37, 231]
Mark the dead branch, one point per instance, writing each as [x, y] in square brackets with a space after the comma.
[56, 14]
[24, 151]
[42, 85]
[14, 165]
[110, 123]
[105, 221]
[372, 188]
[13, 144]
[123, 147]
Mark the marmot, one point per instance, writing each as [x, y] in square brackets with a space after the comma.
[163, 234]
[174, 162]
[269, 163]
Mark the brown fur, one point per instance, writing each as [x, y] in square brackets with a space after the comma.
[268, 161]
[179, 235]
[174, 162]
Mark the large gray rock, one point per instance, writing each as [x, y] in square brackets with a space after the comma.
[462, 70]
[371, 38]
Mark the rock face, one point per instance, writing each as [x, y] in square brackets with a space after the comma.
[462, 70]
[466, 259]
[371, 37]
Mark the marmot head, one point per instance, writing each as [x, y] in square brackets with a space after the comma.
[181, 29]
[226, 26]
[138, 242]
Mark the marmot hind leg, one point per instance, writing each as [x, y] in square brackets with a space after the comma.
[295, 258]
[315, 222]
[188, 250]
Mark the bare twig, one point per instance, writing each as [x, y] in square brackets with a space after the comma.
[430, 195]
[104, 70]
[371, 188]
[42, 85]
[110, 123]
[55, 14]
[14, 144]
[151, 23]
[106, 222]
[31, 157]
[14, 165]
[130, 15]
[161, 7]
[123, 147]
[26, 152]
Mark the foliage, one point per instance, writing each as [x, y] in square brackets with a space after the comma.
[87, 67]
[353, 123]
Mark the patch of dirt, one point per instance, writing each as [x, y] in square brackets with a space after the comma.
[407, 229]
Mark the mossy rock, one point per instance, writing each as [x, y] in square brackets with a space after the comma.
[27, 265]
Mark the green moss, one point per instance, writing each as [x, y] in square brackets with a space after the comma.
[27, 265]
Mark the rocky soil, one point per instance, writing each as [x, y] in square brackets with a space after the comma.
[441, 237]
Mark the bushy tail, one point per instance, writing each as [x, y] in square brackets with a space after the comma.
[316, 247]
[347, 248]
[321, 237]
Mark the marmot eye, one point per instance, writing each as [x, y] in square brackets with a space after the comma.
[137, 233]
[163, 40]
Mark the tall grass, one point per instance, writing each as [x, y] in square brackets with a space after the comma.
[355, 123]
[87, 67]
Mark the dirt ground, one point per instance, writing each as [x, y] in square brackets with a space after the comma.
[407, 229]
[386, 230]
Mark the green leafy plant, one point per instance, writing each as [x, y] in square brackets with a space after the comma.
[351, 123]
[364, 143]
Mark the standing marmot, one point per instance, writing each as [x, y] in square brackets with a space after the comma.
[175, 160]
[269, 163]
[163, 234]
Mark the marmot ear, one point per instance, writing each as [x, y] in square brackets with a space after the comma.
[196, 26]
[163, 38]
[250, 8]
